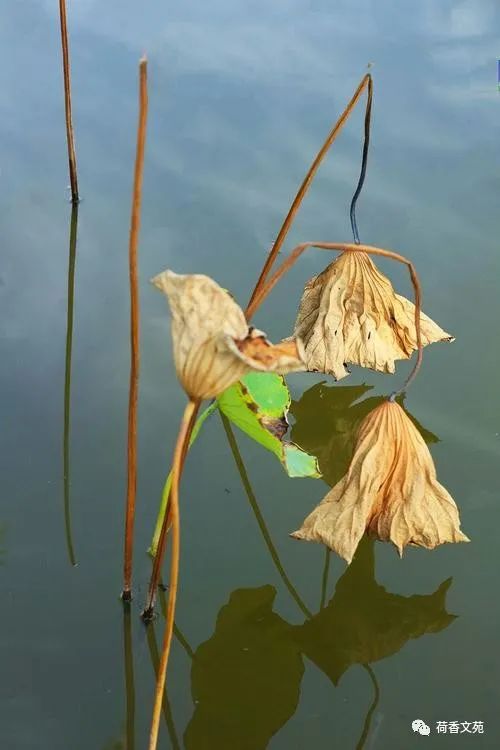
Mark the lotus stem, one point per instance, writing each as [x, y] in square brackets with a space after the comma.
[67, 383]
[70, 138]
[182, 441]
[348, 247]
[365, 82]
[134, 332]
[364, 162]
[148, 612]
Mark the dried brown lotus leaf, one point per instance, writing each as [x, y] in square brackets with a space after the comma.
[350, 313]
[389, 490]
[210, 335]
[260, 354]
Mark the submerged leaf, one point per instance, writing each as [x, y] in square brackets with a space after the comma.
[213, 345]
[350, 313]
[389, 490]
[364, 623]
[258, 404]
[245, 679]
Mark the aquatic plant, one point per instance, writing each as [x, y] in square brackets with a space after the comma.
[348, 313]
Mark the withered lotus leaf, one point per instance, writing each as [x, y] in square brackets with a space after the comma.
[213, 344]
[350, 313]
[390, 490]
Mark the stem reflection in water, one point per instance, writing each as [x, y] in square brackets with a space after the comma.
[67, 382]
[376, 697]
[129, 677]
[260, 519]
[166, 708]
[324, 579]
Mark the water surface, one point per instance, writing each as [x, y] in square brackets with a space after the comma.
[274, 649]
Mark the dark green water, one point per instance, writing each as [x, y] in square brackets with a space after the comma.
[272, 652]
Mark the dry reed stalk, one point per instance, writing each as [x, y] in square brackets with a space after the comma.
[134, 332]
[70, 137]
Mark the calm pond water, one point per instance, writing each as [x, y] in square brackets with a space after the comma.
[272, 650]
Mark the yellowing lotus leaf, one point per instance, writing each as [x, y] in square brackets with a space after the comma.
[350, 313]
[390, 490]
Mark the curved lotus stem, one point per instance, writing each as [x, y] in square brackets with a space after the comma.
[182, 440]
[366, 81]
[348, 247]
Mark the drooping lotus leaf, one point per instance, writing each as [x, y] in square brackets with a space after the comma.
[350, 313]
[390, 490]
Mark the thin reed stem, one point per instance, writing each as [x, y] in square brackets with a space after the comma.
[276, 247]
[135, 222]
[347, 247]
[70, 137]
[182, 440]
[67, 382]
[148, 612]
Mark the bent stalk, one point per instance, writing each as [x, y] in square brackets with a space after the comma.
[366, 81]
[134, 333]
[182, 442]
